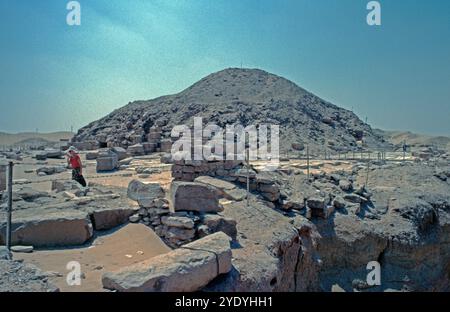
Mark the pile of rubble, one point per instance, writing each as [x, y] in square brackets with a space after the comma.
[153, 143]
[195, 211]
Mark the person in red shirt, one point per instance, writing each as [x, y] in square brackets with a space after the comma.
[74, 161]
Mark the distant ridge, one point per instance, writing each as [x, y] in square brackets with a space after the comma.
[24, 137]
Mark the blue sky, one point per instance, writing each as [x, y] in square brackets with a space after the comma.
[54, 76]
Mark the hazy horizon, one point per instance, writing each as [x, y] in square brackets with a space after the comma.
[56, 76]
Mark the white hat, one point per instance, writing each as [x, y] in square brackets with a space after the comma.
[72, 149]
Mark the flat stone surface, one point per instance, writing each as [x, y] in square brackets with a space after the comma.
[56, 228]
[22, 249]
[182, 270]
[220, 184]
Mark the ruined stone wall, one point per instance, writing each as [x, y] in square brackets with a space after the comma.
[188, 170]
[186, 221]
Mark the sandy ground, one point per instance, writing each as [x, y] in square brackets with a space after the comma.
[108, 251]
[128, 245]
[118, 178]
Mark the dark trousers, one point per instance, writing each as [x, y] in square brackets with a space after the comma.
[77, 176]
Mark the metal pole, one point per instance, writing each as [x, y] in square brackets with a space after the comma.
[9, 211]
[307, 160]
[248, 178]
[367, 176]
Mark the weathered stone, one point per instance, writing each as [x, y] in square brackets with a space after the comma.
[179, 222]
[61, 186]
[181, 270]
[217, 183]
[192, 196]
[345, 185]
[149, 147]
[110, 218]
[339, 202]
[236, 194]
[108, 163]
[179, 234]
[41, 156]
[140, 190]
[298, 146]
[120, 152]
[136, 150]
[126, 161]
[271, 196]
[49, 170]
[268, 188]
[316, 203]
[354, 198]
[53, 229]
[166, 145]
[68, 195]
[22, 249]
[218, 223]
[54, 153]
[4, 253]
[134, 218]
[92, 155]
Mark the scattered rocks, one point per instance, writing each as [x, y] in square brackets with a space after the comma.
[17, 276]
[4, 253]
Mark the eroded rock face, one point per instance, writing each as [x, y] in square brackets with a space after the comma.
[275, 254]
[189, 268]
[192, 196]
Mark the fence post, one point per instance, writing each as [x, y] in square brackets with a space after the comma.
[367, 176]
[248, 178]
[307, 160]
[9, 211]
